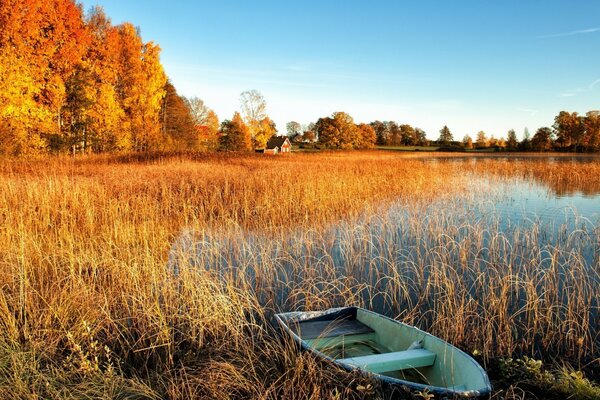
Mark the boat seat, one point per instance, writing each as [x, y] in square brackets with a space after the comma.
[324, 329]
[394, 361]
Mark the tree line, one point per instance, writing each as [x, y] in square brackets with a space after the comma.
[74, 82]
[570, 132]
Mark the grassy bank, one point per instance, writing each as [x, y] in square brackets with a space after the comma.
[90, 305]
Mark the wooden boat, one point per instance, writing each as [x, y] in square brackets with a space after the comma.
[401, 356]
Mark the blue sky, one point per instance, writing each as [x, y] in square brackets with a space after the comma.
[471, 65]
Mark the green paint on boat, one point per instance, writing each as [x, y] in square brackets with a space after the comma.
[392, 351]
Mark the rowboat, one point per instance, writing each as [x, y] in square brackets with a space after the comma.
[401, 356]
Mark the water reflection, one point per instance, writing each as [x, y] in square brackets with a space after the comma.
[504, 266]
[575, 175]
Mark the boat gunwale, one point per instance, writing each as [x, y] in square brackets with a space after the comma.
[283, 319]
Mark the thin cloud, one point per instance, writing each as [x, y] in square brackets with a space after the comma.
[572, 33]
[530, 111]
[574, 92]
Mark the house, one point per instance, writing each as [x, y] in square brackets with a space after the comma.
[278, 144]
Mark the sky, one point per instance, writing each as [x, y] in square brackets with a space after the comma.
[471, 65]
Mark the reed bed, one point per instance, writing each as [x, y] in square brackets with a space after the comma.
[157, 278]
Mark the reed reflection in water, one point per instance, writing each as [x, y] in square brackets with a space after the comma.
[509, 267]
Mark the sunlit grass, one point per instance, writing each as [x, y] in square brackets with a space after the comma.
[91, 306]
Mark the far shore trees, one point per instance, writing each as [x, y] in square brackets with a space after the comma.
[407, 134]
[482, 141]
[592, 131]
[511, 140]
[389, 133]
[421, 137]
[542, 140]
[367, 137]
[293, 128]
[309, 134]
[467, 142]
[445, 136]
[337, 131]
[569, 129]
[340, 132]
[235, 135]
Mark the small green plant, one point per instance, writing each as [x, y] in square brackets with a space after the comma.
[564, 381]
[575, 385]
[523, 369]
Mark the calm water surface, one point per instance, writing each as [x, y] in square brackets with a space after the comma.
[546, 239]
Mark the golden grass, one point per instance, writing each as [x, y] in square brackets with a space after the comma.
[89, 307]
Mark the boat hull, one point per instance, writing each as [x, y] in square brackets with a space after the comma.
[403, 358]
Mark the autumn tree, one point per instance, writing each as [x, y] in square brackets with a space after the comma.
[592, 130]
[337, 131]
[445, 135]
[142, 87]
[178, 128]
[263, 131]
[542, 140]
[340, 132]
[394, 133]
[208, 134]
[293, 128]
[420, 137]
[106, 117]
[380, 131]
[22, 118]
[309, 136]
[511, 141]
[235, 135]
[482, 141]
[69, 82]
[41, 43]
[254, 111]
[206, 124]
[467, 142]
[525, 144]
[407, 135]
[569, 129]
[366, 137]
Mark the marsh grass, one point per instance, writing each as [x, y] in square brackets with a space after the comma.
[157, 278]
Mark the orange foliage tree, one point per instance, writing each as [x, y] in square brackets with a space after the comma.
[72, 83]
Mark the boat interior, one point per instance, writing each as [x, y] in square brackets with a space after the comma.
[362, 339]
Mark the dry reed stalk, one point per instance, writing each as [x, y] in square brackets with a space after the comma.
[87, 297]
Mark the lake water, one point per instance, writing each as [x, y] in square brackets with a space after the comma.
[520, 242]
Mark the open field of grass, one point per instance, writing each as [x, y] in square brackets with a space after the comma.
[158, 278]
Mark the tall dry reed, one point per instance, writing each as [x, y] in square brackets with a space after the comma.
[157, 278]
